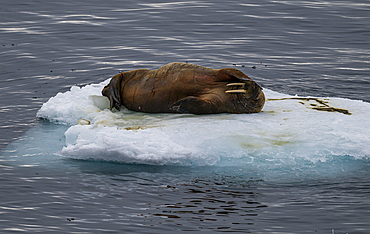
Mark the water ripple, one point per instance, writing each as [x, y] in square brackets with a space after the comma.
[316, 48]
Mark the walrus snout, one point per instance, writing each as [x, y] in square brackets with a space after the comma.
[251, 93]
[253, 90]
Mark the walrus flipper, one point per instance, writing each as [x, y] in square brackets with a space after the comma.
[115, 95]
[194, 105]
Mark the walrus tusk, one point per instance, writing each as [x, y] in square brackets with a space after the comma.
[230, 84]
[236, 91]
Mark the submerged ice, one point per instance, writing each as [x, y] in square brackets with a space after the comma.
[289, 131]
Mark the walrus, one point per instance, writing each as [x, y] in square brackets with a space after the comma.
[185, 88]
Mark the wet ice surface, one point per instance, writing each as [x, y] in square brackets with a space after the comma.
[300, 170]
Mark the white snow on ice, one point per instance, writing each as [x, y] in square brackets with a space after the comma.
[287, 130]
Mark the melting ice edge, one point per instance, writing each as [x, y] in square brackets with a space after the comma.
[290, 130]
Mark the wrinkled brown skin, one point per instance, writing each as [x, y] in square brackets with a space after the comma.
[184, 88]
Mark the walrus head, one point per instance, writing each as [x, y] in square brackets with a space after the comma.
[248, 94]
[112, 92]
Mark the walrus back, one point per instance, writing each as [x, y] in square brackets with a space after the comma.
[185, 88]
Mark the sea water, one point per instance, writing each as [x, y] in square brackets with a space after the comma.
[70, 165]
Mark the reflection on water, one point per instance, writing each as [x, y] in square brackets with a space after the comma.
[204, 204]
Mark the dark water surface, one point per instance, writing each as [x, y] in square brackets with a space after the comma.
[317, 48]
